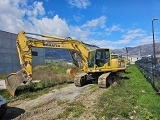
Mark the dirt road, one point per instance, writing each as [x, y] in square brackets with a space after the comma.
[69, 102]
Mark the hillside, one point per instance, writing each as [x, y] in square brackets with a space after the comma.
[57, 54]
[142, 50]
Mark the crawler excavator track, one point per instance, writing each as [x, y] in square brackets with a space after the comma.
[107, 79]
[102, 80]
[80, 79]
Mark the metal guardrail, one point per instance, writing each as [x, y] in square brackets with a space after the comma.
[151, 73]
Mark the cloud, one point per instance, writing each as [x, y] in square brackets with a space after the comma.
[77, 18]
[133, 37]
[103, 43]
[36, 9]
[114, 28]
[10, 12]
[87, 29]
[144, 40]
[17, 15]
[55, 26]
[79, 33]
[51, 13]
[81, 4]
[98, 22]
[130, 37]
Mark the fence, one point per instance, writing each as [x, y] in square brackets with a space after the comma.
[150, 71]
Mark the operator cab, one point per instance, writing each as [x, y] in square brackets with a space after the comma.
[98, 57]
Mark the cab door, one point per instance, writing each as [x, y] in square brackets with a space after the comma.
[102, 56]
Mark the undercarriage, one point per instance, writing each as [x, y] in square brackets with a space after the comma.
[102, 79]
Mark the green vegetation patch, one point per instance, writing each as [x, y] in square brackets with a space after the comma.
[73, 110]
[94, 88]
[61, 102]
[134, 99]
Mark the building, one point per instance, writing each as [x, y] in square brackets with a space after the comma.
[9, 61]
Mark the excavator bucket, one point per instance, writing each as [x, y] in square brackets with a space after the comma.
[13, 81]
[72, 72]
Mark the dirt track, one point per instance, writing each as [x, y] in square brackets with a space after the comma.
[55, 103]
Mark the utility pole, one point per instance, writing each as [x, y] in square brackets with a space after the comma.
[154, 53]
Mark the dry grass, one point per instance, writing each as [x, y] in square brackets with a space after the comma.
[50, 75]
[3, 76]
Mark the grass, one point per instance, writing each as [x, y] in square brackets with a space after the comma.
[3, 76]
[52, 77]
[94, 87]
[73, 110]
[61, 102]
[49, 72]
[134, 99]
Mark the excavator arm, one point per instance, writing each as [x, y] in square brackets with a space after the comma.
[24, 48]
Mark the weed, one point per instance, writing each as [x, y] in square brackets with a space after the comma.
[3, 76]
[94, 87]
[5, 94]
[73, 110]
[61, 102]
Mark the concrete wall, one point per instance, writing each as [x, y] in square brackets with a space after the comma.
[40, 59]
[9, 61]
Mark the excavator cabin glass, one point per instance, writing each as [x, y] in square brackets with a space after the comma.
[98, 57]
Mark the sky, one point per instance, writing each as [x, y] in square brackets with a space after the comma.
[111, 24]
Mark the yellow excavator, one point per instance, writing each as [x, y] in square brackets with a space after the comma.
[97, 65]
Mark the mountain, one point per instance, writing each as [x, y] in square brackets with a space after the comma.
[57, 54]
[142, 50]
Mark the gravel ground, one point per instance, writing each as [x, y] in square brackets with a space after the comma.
[45, 106]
